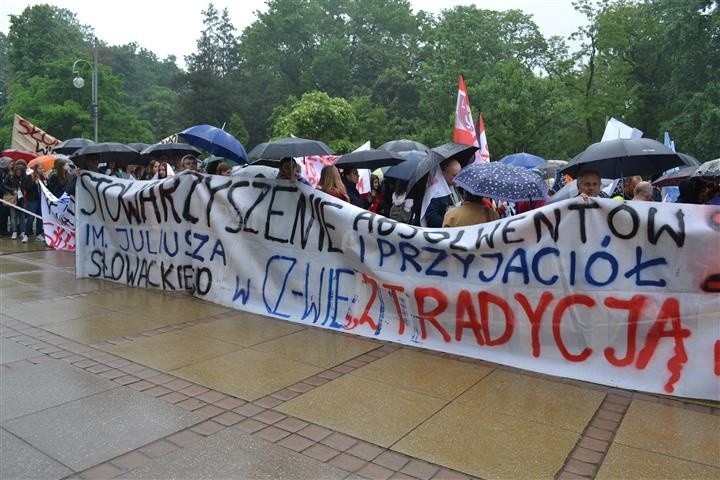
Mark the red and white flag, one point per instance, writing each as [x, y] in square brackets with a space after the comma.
[464, 127]
[482, 155]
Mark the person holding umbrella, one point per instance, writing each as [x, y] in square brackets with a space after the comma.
[438, 206]
[350, 178]
[589, 185]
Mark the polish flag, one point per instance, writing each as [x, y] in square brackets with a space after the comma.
[482, 155]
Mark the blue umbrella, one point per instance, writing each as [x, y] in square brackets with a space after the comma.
[524, 160]
[216, 141]
[501, 182]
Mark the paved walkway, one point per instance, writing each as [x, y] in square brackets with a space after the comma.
[102, 381]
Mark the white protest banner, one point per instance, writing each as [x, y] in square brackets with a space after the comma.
[623, 294]
[58, 215]
[28, 137]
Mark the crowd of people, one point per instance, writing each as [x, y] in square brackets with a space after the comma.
[386, 196]
[390, 197]
[20, 187]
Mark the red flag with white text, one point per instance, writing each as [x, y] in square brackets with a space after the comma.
[464, 127]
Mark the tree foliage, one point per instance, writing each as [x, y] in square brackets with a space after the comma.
[317, 115]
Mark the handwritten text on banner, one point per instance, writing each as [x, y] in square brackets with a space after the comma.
[624, 294]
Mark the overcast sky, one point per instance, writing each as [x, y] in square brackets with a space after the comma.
[172, 27]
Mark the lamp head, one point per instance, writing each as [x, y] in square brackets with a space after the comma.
[78, 81]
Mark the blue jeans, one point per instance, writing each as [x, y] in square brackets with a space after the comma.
[33, 206]
[17, 220]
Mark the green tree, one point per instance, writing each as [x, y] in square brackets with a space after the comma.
[217, 47]
[318, 116]
[211, 93]
[40, 34]
[43, 43]
[473, 42]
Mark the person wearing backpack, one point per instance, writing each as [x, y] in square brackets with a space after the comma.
[401, 206]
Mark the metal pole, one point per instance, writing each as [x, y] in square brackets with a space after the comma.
[95, 87]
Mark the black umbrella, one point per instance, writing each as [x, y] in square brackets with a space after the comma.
[139, 146]
[464, 154]
[673, 179]
[370, 159]
[266, 162]
[404, 170]
[501, 182]
[171, 150]
[290, 147]
[432, 159]
[403, 145]
[71, 146]
[625, 157]
[119, 153]
[457, 151]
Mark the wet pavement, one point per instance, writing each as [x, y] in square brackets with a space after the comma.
[102, 381]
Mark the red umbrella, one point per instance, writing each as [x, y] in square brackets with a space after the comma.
[16, 154]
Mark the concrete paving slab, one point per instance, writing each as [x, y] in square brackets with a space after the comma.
[33, 388]
[12, 352]
[235, 454]
[94, 429]
[671, 431]
[373, 411]
[636, 463]
[20, 461]
[489, 444]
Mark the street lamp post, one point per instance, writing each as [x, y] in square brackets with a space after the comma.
[79, 82]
